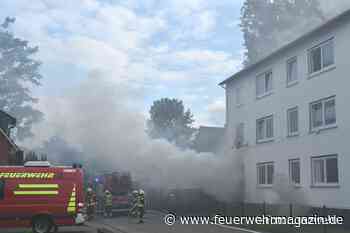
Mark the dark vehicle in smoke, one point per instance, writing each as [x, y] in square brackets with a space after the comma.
[189, 201]
[120, 185]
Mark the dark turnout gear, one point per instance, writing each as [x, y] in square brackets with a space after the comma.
[135, 193]
[108, 203]
[133, 209]
[133, 199]
[91, 203]
[138, 207]
[140, 203]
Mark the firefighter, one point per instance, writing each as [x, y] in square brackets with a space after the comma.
[134, 196]
[108, 202]
[141, 205]
[91, 202]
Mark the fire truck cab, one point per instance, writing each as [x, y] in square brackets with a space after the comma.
[41, 196]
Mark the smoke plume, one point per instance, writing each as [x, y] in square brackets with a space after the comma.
[98, 117]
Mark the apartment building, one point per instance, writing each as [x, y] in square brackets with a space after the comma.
[288, 116]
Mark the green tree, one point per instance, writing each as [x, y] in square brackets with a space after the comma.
[19, 72]
[169, 120]
[269, 24]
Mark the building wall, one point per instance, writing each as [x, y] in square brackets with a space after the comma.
[4, 150]
[309, 89]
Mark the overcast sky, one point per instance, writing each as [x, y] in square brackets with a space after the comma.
[174, 48]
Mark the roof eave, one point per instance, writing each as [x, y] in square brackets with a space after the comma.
[291, 44]
[9, 140]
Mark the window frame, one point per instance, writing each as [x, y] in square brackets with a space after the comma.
[265, 178]
[238, 96]
[240, 128]
[324, 125]
[2, 189]
[310, 61]
[265, 138]
[289, 133]
[324, 159]
[291, 180]
[289, 61]
[266, 92]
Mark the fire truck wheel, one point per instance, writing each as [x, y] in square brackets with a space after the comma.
[42, 224]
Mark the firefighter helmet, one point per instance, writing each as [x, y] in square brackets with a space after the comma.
[135, 192]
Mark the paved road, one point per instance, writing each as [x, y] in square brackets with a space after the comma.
[80, 229]
[154, 224]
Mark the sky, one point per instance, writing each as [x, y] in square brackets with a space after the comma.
[175, 48]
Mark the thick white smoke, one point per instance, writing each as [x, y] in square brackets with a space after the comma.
[99, 118]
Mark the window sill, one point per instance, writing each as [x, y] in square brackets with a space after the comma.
[325, 186]
[317, 73]
[264, 95]
[296, 186]
[265, 140]
[242, 146]
[320, 129]
[293, 135]
[292, 83]
[264, 186]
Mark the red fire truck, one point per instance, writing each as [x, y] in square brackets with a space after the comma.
[41, 196]
[120, 185]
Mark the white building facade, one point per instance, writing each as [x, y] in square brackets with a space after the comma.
[288, 116]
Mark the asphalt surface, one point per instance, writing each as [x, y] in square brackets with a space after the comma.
[153, 223]
[78, 229]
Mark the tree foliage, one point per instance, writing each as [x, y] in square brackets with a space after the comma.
[19, 72]
[268, 24]
[169, 120]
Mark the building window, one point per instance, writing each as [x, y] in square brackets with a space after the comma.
[265, 173]
[264, 129]
[2, 189]
[264, 84]
[238, 96]
[239, 141]
[292, 71]
[292, 121]
[325, 170]
[321, 56]
[322, 114]
[294, 171]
